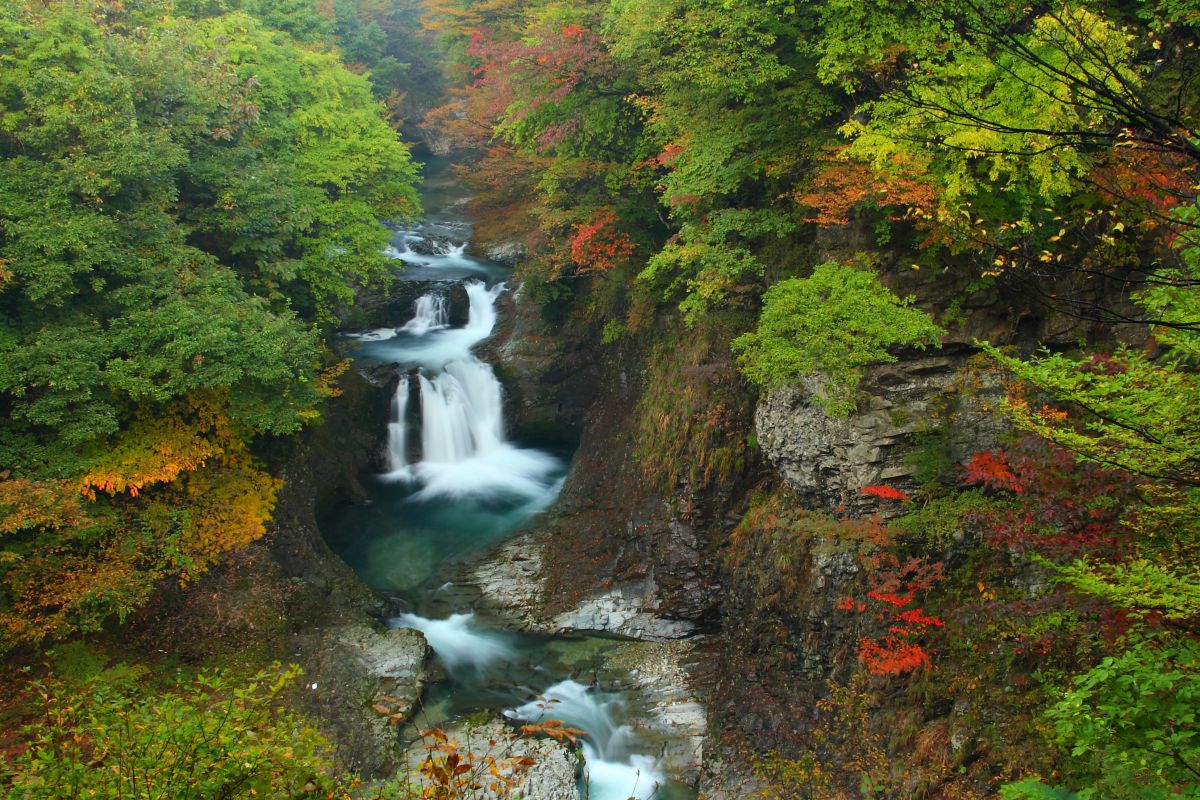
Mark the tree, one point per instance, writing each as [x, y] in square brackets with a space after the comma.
[183, 202]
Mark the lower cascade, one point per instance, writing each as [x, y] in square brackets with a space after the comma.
[612, 771]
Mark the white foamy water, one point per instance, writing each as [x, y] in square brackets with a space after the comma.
[435, 258]
[430, 313]
[464, 450]
[458, 642]
[397, 431]
[611, 770]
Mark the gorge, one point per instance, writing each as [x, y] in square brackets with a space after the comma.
[726, 399]
[452, 484]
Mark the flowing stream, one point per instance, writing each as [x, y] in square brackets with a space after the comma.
[455, 483]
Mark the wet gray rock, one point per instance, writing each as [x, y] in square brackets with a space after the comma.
[511, 582]
[507, 253]
[670, 714]
[395, 658]
[632, 610]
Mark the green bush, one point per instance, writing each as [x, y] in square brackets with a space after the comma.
[110, 736]
[831, 325]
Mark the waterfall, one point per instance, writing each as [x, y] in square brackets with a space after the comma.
[446, 435]
[483, 395]
[397, 433]
[482, 317]
[611, 771]
[430, 313]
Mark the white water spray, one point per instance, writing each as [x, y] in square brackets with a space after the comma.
[611, 771]
[458, 642]
[397, 430]
[430, 313]
[464, 452]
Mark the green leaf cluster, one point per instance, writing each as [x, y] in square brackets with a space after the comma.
[203, 737]
[1131, 721]
[830, 325]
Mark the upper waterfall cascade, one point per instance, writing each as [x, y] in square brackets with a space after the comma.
[464, 450]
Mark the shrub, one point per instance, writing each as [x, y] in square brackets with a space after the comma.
[831, 325]
[205, 737]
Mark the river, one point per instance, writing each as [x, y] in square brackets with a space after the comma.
[454, 483]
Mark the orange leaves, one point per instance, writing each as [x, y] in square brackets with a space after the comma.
[895, 582]
[597, 246]
[168, 496]
[158, 448]
[227, 507]
[28, 505]
[555, 729]
[327, 379]
[891, 655]
[843, 185]
[670, 153]
[886, 493]
[992, 469]
[452, 772]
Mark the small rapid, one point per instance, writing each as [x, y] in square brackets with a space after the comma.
[459, 642]
[612, 770]
[476, 654]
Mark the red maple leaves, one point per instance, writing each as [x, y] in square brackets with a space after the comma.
[598, 245]
[895, 582]
[886, 492]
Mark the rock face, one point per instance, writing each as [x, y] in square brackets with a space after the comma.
[828, 461]
[395, 658]
[350, 663]
[633, 610]
[353, 673]
[512, 583]
[671, 712]
[508, 253]
[548, 374]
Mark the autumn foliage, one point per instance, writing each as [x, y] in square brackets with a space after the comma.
[896, 582]
[1066, 507]
[598, 245]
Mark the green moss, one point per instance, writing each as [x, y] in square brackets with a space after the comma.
[938, 522]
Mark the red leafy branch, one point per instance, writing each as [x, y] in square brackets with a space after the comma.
[598, 245]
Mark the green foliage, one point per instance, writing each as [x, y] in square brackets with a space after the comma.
[830, 325]
[1140, 585]
[1032, 789]
[1025, 101]
[938, 522]
[710, 259]
[205, 737]
[1130, 724]
[184, 203]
